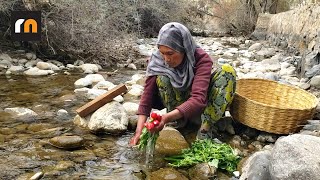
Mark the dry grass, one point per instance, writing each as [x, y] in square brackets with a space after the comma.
[101, 31]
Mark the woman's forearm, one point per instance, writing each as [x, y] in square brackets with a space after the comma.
[172, 116]
[141, 120]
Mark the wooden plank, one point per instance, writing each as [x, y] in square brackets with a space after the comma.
[101, 100]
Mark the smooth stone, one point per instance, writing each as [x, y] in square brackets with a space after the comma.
[67, 142]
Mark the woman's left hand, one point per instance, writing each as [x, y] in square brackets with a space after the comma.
[159, 127]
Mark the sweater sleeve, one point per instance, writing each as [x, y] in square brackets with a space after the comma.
[147, 96]
[198, 97]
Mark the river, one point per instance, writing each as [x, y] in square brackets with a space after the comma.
[24, 147]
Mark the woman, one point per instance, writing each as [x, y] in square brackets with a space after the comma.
[179, 78]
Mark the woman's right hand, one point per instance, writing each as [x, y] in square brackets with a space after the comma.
[135, 139]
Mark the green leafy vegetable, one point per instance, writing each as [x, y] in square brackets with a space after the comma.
[147, 136]
[219, 155]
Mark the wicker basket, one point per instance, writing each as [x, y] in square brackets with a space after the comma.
[272, 107]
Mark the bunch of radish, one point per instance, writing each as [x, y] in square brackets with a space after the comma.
[146, 135]
[153, 121]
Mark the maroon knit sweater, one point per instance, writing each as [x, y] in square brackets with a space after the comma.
[198, 97]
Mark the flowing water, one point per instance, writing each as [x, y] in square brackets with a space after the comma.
[150, 151]
[24, 147]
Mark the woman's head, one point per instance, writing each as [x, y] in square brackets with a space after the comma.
[172, 57]
[170, 43]
[175, 55]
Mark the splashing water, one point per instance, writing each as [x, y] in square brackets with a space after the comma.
[150, 150]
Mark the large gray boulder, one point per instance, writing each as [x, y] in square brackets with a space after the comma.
[110, 118]
[257, 166]
[296, 157]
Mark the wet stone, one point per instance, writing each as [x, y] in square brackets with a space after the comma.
[64, 165]
[39, 127]
[7, 131]
[2, 139]
[167, 174]
[21, 127]
[80, 156]
[202, 171]
[67, 142]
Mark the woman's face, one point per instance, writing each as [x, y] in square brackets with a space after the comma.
[173, 58]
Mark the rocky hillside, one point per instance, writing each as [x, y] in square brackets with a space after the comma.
[297, 30]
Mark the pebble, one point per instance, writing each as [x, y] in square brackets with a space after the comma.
[37, 176]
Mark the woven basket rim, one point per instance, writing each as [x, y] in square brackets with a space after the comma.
[272, 106]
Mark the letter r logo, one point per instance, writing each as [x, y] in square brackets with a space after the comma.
[26, 25]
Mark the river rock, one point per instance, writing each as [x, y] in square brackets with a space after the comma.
[30, 56]
[95, 78]
[167, 174]
[37, 72]
[103, 85]
[170, 142]
[81, 92]
[266, 52]
[81, 122]
[63, 114]
[5, 57]
[315, 70]
[202, 171]
[271, 76]
[55, 62]
[315, 81]
[67, 142]
[93, 93]
[135, 92]
[119, 99]
[64, 165]
[37, 176]
[47, 66]
[82, 82]
[16, 69]
[255, 47]
[24, 114]
[132, 66]
[139, 79]
[257, 166]
[89, 68]
[295, 157]
[111, 118]
[78, 63]
[131, 108]
[31, 63]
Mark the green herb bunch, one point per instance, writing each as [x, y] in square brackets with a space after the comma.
[218, 155]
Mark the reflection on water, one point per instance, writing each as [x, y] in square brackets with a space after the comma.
[24, 148]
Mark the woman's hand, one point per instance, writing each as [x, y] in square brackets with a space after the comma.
[159, 127]
[135, 139]
[171, 116]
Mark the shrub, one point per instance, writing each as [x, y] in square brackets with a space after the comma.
[97, 31]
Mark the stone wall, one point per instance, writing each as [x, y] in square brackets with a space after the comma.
[297, 29]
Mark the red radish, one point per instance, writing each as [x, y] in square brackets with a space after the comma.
[156, 122]
[150, 126]
[154, 115]
[159, 117]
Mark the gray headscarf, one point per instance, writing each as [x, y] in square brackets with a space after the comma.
[177, 37]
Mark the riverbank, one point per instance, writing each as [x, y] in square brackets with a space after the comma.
[25, 147]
